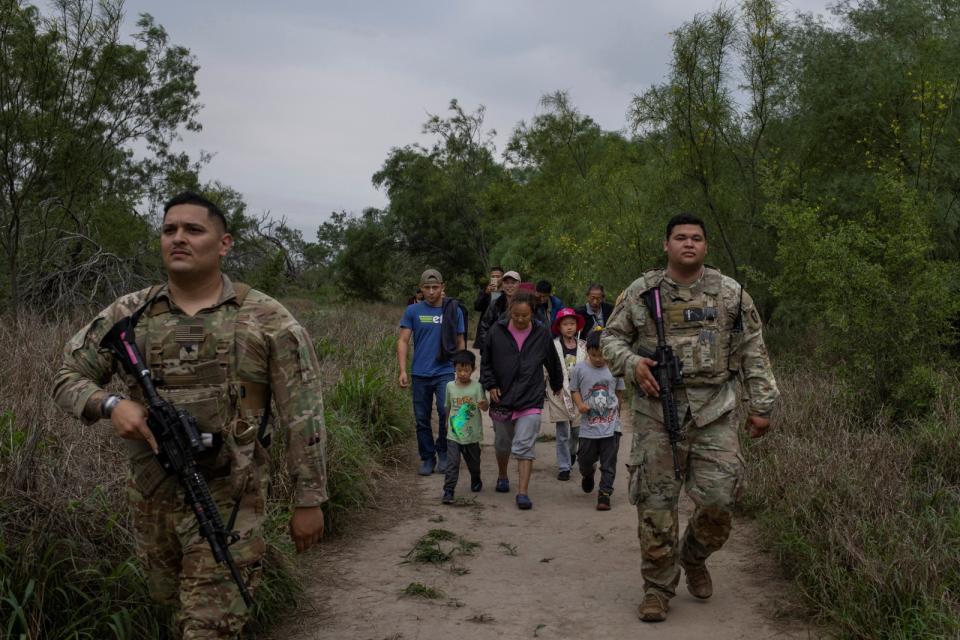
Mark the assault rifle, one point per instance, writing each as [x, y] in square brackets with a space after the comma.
[668, 372]
[179, 441]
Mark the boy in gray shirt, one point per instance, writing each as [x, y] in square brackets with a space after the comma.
[597, 394]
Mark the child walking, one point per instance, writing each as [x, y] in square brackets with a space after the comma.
[560, 410]
[465, 399]
[597, 394]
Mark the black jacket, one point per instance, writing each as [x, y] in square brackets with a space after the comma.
[448, 328]
[482, 302]
[605, 307]
[496, 311]
[519, 374]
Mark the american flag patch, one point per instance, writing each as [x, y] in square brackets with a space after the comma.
[189, 333]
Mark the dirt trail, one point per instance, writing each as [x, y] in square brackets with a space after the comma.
[576, 572]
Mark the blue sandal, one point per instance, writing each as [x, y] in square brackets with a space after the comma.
[503, 485]
[523, 501]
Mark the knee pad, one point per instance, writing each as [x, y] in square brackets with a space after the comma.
[711, 526]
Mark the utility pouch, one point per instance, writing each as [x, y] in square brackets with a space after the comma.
[240, 444]
[145, 469]
[209, 405]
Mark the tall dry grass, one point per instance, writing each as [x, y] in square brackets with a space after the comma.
[68, 565]
[864, 514]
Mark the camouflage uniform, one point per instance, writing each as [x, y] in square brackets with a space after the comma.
[221, 365]
[699, 323]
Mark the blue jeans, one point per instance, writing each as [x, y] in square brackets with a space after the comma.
[425, 389]
[563, 446]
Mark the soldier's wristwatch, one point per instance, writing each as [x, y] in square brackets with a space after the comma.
[109, 404]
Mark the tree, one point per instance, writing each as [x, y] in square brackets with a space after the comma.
[74, 100]
[719, 144]
[445, 201]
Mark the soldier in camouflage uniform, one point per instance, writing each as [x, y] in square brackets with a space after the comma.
[713, 327]
[221, 351]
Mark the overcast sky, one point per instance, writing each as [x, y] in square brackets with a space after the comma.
[303, 99]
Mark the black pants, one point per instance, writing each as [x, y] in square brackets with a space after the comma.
[470, 453]
[605, 450]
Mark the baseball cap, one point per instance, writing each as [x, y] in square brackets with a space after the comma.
[511, 274]
[431, 276]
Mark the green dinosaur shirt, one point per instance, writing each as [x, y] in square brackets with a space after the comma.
[463, 413]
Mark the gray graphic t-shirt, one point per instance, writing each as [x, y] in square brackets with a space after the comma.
[598, 389]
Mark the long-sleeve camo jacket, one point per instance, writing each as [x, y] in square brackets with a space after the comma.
[269, 349]
[701, 326]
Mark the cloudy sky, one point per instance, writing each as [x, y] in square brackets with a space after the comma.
[303, 99]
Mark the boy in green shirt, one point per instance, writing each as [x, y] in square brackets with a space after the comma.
[465, 399]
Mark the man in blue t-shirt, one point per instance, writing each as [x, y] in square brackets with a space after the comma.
[424, 321]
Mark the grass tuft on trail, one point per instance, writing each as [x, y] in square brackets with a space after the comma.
[420, 590]
[439, 546]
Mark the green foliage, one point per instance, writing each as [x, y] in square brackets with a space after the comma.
[47, 581]
[76, 99]
[445, 202]
[369, 395]
[369, 263]
[883, 306]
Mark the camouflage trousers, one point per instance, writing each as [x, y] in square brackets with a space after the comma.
[711, 466]
[181, 571]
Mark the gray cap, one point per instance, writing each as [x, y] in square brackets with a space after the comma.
[431, 276]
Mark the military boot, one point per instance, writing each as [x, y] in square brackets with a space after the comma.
[699, 583]
[654, 607]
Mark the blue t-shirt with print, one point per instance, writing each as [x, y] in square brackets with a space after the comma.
[424, 321]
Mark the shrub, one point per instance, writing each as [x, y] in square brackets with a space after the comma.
[870, 290]
[865, 518]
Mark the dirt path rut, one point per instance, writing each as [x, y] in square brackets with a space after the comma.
[561, 570]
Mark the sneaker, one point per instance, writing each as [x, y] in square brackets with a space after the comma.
[426, 467]
[523, 502]
[654, 607]
[503, 485]
[699, 583]
[564, 475]
[442, 462]
[603, 501]
[476, 485]
[447, 496]
[586, 483]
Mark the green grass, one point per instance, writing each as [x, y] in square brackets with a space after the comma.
[865, 517]
[439, 546]
[419, 590]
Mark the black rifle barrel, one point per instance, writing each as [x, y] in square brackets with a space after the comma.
[667, 371]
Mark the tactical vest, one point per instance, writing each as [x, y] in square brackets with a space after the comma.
[194, 365]
[699, 329]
